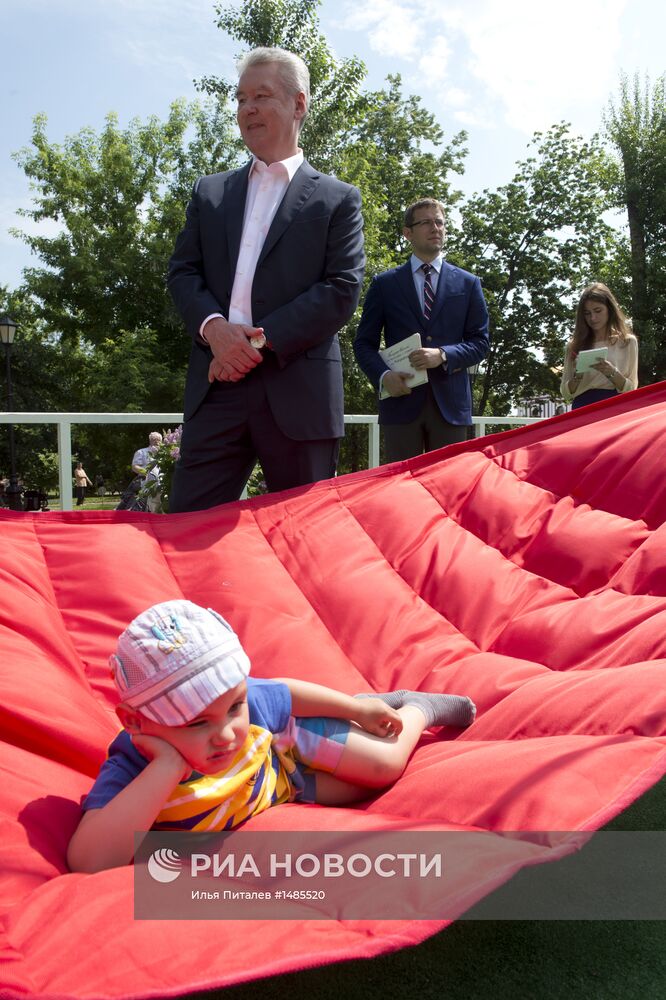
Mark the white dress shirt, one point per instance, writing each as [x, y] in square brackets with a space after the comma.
[267, 186]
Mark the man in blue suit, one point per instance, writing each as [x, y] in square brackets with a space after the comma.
[265, 273]
[446, 306]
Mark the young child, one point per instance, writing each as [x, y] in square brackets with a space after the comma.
[204, 746]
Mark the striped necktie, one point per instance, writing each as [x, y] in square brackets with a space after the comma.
[428, 294]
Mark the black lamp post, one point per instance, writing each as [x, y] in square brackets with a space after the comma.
[13, 491]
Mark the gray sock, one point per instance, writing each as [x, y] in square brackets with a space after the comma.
[394, 699]
[439, 709]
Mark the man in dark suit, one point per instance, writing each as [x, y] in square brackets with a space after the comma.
[265, 273]
[446, 306]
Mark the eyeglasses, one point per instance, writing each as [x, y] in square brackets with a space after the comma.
[437, 223]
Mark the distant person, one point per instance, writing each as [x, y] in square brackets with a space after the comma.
[100, 485]
[141, 462]
[265, 273]
[80, 482]
[600, 323]
[144, 456]
[446, 306]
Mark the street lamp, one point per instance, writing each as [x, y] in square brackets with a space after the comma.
[13, 491]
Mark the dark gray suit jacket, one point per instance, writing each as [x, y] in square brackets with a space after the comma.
[458, 323]
[306, 286]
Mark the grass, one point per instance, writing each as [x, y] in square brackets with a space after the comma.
[501, 960]
[108, 502]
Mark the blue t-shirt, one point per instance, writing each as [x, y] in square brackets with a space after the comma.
[258, 781]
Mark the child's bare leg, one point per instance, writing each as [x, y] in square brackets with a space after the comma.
[375, 761]
[370, 762]
[331, 791]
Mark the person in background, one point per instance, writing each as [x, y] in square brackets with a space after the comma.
[443, 303]
[144, 456]
[600, 323]
[140, 464]
[80, 482]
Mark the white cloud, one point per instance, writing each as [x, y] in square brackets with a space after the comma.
[392, 29]
[543, 61]
[455, 97]
[474, 119]
[434, 61]
[528, 63]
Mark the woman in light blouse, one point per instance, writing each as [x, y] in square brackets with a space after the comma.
[600, 323]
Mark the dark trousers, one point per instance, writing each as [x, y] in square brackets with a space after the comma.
[232, 430]
[429, 431]
[592, 396]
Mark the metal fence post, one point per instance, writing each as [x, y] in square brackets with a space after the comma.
[65, 462]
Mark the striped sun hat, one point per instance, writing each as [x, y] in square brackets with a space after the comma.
[175, 659]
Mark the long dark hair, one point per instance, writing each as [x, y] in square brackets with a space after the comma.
[618, 325]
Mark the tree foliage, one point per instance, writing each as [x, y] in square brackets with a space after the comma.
[334, 83]
[61, 375]
[636, 128]
[98, 330]
[116, 200]
[390, 158]
[534, 242]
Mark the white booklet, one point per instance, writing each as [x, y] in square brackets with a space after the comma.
[586, 359]
[396, 358]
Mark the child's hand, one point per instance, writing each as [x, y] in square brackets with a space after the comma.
[375, 716]
[155, 748]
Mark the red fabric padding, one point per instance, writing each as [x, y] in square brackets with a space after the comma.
[526, 570]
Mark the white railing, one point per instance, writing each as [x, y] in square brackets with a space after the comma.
[64, 422]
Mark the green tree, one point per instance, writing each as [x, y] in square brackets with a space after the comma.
[46, 376]
[99, 331]
[334, 84]
[396, 155]
[534, 242]
[636, 127]
[118, 200]
[51, 373]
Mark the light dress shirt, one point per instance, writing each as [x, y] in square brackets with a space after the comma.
[267, 186]
[419, 282]
[623, 355]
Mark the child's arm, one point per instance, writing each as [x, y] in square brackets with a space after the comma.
[372, 714]
[105, 837]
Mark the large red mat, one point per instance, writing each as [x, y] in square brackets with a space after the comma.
[527, 570]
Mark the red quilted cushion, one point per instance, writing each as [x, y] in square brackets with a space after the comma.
[526, 570]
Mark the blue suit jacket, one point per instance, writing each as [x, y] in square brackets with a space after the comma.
[458, 323]
[306, 286]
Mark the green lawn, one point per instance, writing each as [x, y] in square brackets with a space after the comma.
[501, 960]
[108, 502]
